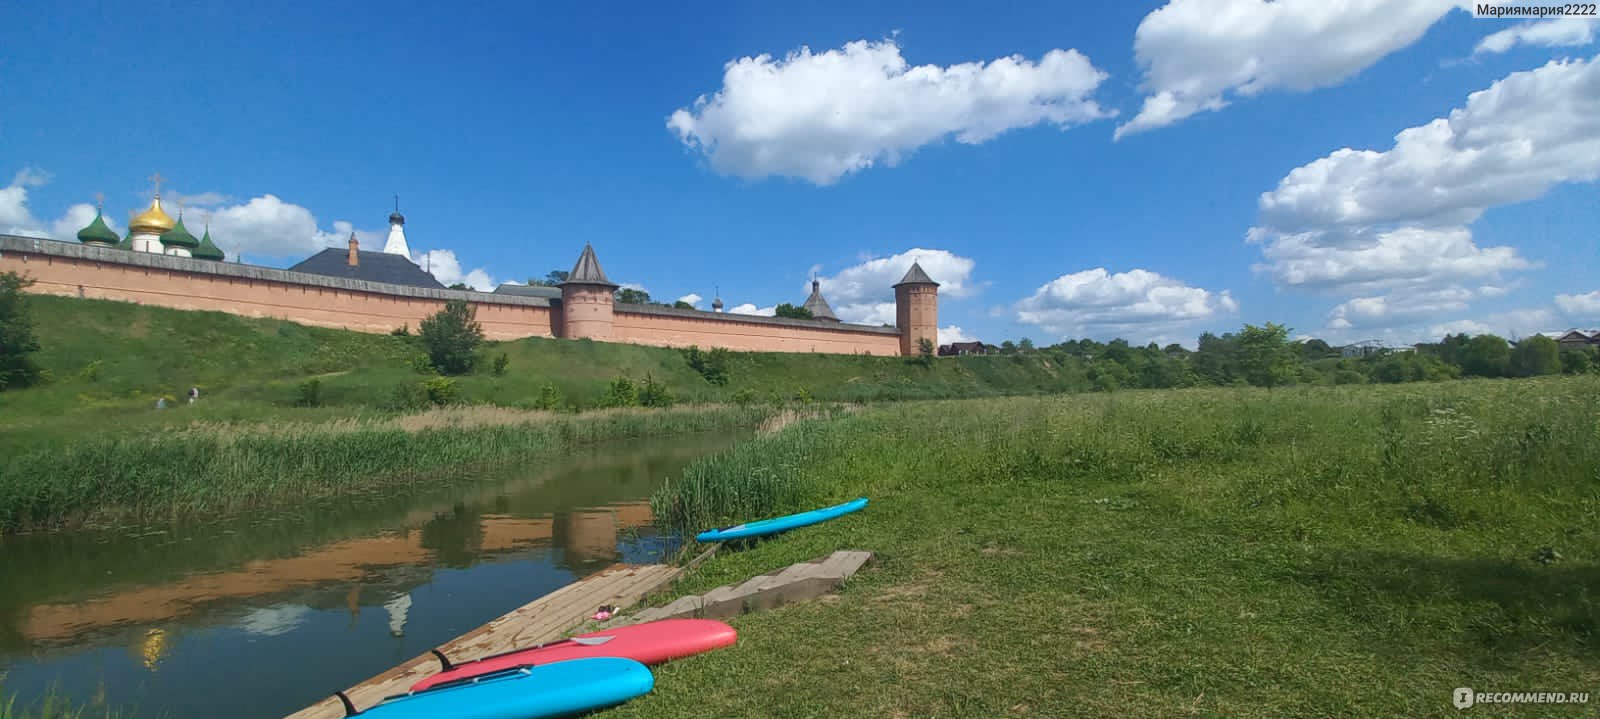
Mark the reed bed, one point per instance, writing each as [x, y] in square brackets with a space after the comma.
[1317, 552]
[207, 469]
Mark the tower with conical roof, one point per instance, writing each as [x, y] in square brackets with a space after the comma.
[208, 250]
[396, 244]
[146, 228]
[587, 300]
[819, 307]
[716, 302]
[97, 234]
[916, 310]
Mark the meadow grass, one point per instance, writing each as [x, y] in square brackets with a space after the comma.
[210, 469]
[1330, 552]
[55, 706]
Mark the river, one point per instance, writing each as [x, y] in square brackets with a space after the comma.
[261, 616]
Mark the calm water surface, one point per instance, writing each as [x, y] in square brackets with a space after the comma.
[265, 615]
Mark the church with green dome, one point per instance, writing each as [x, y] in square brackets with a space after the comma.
[152, 231]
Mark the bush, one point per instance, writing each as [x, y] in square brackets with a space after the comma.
[549, 398]
[654, 394]
[310, 393]
[441, 390]
[423, 365]
[401, 331]
[452, 336]
[500, 363]
[408, 397]
[744, 397]
[713, 365]
[621, 393]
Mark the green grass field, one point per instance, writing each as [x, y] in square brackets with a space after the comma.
[1335, 552]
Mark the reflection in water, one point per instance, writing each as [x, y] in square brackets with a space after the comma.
[288, 590]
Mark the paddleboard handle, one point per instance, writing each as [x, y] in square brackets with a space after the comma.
[349, 709]
[443, 660]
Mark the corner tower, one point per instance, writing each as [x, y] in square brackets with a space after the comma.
[587, 300]
[916, 310]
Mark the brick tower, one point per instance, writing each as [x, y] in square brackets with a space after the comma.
[586, 300]
[916, 310]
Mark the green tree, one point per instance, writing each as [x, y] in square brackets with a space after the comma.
[1216, 359]
[452, 336]
[551, 279]
[1265, 357]
[680, 304]
[654, 394]
[1485, 356]
[1575, 361]
[621, 393]
[1008, 347]
[1536, 355]
[460, 286]
[631, 296]
[1315, 349]
[1025, 345]
[17, 341]
[792, 312]
[925, 351]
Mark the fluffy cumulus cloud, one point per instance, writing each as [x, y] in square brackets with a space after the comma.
[953, 333]
[692, 299]
[864, 293]
[1557, 32]
[820, 116]
[750, 309]
[446, 268]
[1583, 307]
[15, 217]
[1392, 227]
[1137, 305]
[1514, 324]
[1197, 54]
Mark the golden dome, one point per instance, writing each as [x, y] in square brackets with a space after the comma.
[154, 220]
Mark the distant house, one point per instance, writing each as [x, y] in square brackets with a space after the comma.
[956, 349]
[1366, 348]
[1578, 339]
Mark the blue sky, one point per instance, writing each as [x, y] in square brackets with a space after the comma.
[1109, 181]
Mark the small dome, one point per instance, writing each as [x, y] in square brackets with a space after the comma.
[395, 218]
[179, 236]
[97, 233]
[208, 250]
[154, 220]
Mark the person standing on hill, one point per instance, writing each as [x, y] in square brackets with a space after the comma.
[194, 394]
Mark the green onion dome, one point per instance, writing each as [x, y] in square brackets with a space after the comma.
[97, 233]
[179, 236]
[208, 250]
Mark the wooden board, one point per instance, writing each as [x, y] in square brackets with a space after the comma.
[545, 619]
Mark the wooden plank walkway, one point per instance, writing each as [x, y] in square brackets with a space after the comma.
[545, 619]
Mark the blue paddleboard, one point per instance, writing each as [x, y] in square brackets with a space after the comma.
[779, 524]
[546, 690]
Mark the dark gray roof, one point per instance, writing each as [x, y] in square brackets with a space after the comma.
[915, 276]
[373, 267]
[549, 293]
[819, 307]
[587, 271]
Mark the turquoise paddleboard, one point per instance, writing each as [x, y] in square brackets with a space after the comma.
[546, 690]
[779, 524]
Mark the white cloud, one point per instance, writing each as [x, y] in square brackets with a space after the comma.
[1514, 324]
[1371, 223]
[692, 298]
[1586, 307]
[1197, 53]
[864, 293]
[15, 217]
[822, 116]
[268, 226]
[445, 268]
[1556, 32]
[173, 198]
[750, 309]
[1136, 305]
[953, 334]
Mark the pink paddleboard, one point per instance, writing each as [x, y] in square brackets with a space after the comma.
[648, 643]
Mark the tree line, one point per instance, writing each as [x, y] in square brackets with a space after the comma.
[1264, 356]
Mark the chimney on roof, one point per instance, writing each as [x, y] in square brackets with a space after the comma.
[355, 250]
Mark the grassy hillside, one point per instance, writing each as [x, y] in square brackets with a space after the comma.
[1304, 552]
[110, 361]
